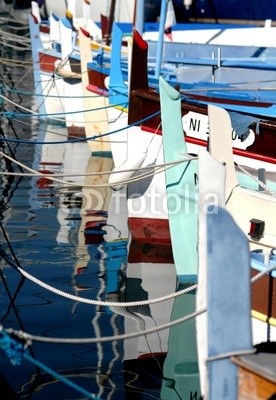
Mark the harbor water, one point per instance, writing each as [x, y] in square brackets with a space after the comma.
[67, 260]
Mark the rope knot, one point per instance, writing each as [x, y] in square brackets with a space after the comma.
[12, 348]
[10, 114]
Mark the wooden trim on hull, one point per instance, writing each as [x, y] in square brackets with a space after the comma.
[263, 298]
[147, 103]
[96, 79]
[144, 101]
[76, 132]
[47, 62]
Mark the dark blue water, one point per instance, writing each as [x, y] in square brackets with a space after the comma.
[62, 235]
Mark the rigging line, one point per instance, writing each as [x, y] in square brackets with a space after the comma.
[18, 48]
[103, 339]
[16, 351]
[149, 346]
[103, 303]
[10, 78]
[19, 37]
[153, 171]
[40, 283]
[19, 287]
[27, 72]
[61, 378]
[52, 85]
[92, 96]
[8, 189]
[37, 125]
[18, 28]
[230, 354]
[9, 245]
[12, 152]
[239, 88]
[157, 169]
[12, 298]
[18, 63]
[145, 168]
[32, 94]
[254, 178]
[31, 113]
[30, 125]
[266, 271]
[12, 303]
[28, 337]
[50, 76]
[44, 98]
[15, 38]
[8, 19]
[69, 135]
[110, 304]
[89, 137]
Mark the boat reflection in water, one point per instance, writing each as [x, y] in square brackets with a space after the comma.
[135, 272]
[81, 232]
[167, 356]
[150, 275]
[131, 272]
[180, 373]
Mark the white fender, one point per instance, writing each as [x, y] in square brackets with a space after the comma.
[128, 168]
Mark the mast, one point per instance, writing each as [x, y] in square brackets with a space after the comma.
[163, 14]
[139, 16]
[110, 22]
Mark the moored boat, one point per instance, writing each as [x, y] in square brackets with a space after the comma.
[147, 207]
[261, 117]
[223, 252]
[250, 219]
[205, 188]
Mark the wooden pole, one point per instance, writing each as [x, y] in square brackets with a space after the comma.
[160, 43]
[110, 22]
[139, 16]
